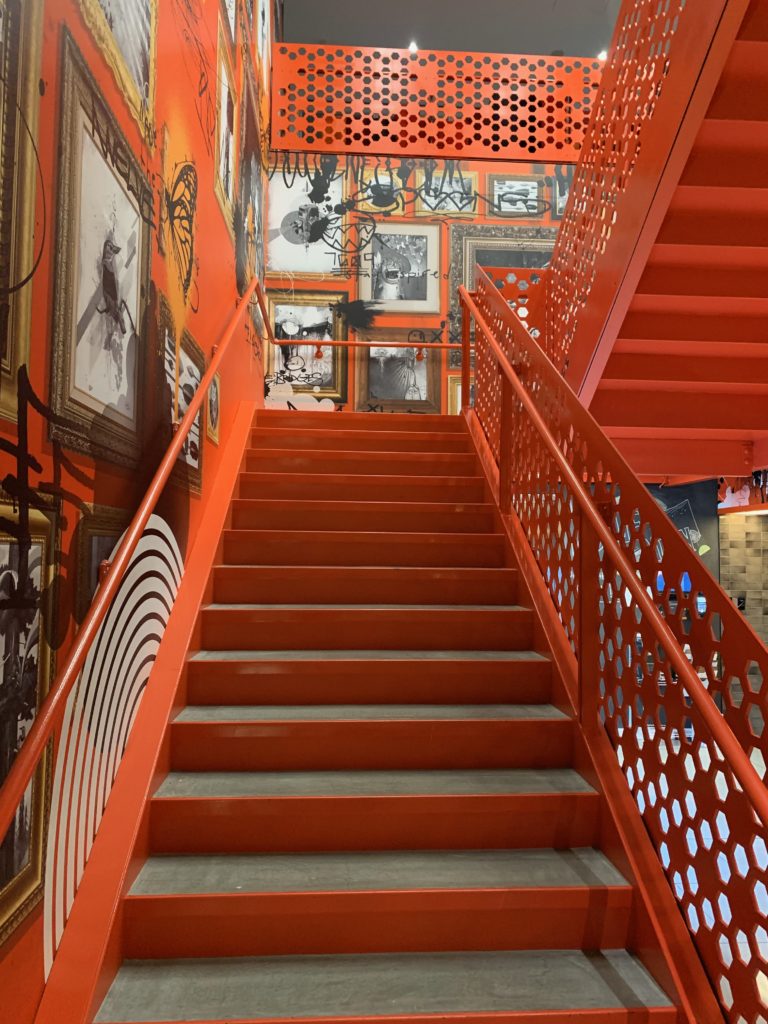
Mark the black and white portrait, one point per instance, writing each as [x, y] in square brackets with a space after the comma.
[404, 269]
[516, 197]
[396, 374]
[214, 410]
[302, 322]
[306, 222]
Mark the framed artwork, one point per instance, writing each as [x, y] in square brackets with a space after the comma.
[301, 322]
[395, 379]
[561, 188]
[447, 195]
[454, 393]
[20, 48]
[226, 113]
[264, 44]
[306, 228]
[183, 368]
[249, 223]
[229, 9]
[26, 666]
[98, 533]
[404, 269]
[102, 266]
[213, 408]
[125, 31]
[379, 190]
[521, 196]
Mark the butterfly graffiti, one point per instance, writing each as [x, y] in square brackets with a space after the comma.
[180, 209]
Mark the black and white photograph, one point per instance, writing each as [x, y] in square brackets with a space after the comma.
[454, 195]
[302, 322]
[249, 233]
[521, 197]
[102, 274]
[98, 533]
[379, 190]
[404, 264]
[561, 189]
[184, 368]
[25, 666]
[225, 135]
[214, 410]
[126, 30]
[305, 227]
[396, 379]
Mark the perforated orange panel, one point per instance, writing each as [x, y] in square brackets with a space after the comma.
[431, 103]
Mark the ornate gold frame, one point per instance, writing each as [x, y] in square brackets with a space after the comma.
[99, 521]
[454, 392]
[25, 890]
[340, 352]
[86, 429]
[226, 203]
[20, 167]
[362, 373]
[102, 33]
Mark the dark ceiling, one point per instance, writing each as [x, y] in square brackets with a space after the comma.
[577, 27]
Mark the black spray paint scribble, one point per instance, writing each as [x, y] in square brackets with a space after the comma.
[180, 207]
[197, 45]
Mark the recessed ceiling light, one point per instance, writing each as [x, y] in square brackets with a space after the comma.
[603, 55]
[414, 46]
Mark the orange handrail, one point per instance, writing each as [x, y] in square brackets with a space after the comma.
[737, 759]
[52, 708]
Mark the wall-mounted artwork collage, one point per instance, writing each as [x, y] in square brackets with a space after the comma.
[133, 143]
[372, 249]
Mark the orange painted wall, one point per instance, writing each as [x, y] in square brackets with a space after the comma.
[204, 313]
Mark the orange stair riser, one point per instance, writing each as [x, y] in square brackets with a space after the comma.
[338, 746]
[340, 487]
[328, 585]
[366, 421]
[278, 924]
[299, 824]
[252, 547]
[398, 463]
[415, 518]
[359, 440]
[230, 628]
[390, 682]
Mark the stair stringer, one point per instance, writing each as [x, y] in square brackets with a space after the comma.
[657, 932]
[90, 951]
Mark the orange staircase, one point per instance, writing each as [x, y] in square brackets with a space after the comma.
[378, 804]
[685, 387]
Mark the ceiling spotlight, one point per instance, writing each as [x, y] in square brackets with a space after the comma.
[414, 46]
[603, 55]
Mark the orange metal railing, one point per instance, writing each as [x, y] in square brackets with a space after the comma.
[663, 661]
[52, 710]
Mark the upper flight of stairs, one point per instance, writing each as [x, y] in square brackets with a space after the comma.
[372, 808]
[689, 364]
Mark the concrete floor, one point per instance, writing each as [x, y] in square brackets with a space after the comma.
[381, 984]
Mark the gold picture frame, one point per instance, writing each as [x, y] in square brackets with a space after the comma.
[295, 363]
[105, 214]
[20, 58]
[225, 153]
[454, 393]
[98, 532]
[394, 379]
[445, 200]
[139, 96]
[183, 370]
[517, 196]
[22, 850]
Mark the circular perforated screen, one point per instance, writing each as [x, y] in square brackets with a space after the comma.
[431, 103]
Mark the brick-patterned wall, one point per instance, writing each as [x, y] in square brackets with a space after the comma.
[744, 565]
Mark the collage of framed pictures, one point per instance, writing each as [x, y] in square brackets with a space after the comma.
[126, 32]
[301, 322]
[26, 669]
[523, 197]
[395, 379]
[404, 262]
[102, 268]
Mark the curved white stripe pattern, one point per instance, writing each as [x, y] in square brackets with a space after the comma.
[99, 716]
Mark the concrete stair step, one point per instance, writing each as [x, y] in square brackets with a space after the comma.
[467, 985]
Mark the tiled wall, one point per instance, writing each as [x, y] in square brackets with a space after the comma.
[744, 565]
